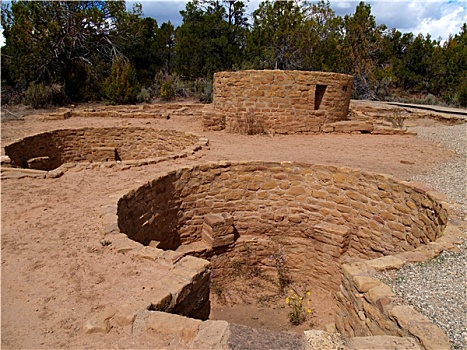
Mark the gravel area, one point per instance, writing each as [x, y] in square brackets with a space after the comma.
[438, 288]
[448, 178]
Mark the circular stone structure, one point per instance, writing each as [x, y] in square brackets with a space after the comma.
[277, 101]
[49, 150]
[317, 217]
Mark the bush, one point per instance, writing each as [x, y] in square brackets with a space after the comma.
[462, 93]
[41, 95]
[203, 90]
[121, 86]
[145, 95]
[167, 91]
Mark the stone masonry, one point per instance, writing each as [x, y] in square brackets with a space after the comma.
[49, 150]
[277, 101]
[323, 215]
[367, 310]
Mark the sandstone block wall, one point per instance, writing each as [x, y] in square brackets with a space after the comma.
[368, 307]
[321, 215]
[278, 101]
[57, 147]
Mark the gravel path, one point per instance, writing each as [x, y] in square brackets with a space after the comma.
[438, 288]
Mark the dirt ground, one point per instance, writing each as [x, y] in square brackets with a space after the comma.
[56, 273]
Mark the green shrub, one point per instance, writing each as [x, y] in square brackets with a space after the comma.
[167, 91]
[121, 86]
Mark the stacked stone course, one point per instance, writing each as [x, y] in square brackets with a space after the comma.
[258, 197]
[278, 101]
[324, 215]
[49, 150]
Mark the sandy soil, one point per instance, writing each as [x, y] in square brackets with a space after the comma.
[55, 272]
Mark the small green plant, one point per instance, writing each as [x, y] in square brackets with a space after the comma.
[299, 305]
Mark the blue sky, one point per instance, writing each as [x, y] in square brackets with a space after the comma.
[436, 17]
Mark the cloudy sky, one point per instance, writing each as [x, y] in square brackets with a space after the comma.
[439, 18]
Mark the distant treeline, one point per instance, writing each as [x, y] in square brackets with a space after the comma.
[71, 51]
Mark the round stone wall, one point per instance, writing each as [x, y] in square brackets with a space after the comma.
[49, 150]
[277, 101]
[316, 216]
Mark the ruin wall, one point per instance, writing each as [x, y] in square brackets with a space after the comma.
[322, 215]
[277, 101]
[54, 148]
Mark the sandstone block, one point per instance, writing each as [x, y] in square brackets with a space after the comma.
[380, 291]
[53, 174]
[211, 335]
[430, 335]
[380, 342]
[365, 283]
[172, 327]
[386, 263]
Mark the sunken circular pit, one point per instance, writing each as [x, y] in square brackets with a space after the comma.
[49, 150]
[292, 221]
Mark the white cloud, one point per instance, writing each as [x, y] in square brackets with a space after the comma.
[2, 38]
[436, 17]
[450, 22]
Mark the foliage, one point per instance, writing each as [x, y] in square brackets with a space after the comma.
[167, 91]
[144, 95]
[75, 44]
[210, 38]
[121, 86]
[41, 95]
[299, 304]
[397, 119]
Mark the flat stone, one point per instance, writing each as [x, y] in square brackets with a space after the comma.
[214, 219]
[430, 335]
[174, 328]
[53, 174]
[5, 160]
[124, 245]
[211, 335]
[365, 283]
[380, 342]
[386, 263]
[406, 315]
[126, 313]
[318, 339]
[380, 291]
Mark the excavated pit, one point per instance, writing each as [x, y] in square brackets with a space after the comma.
[49, 150]
[279, 222]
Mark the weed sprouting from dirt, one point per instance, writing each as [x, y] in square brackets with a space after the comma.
[397, 119]
[299, 304]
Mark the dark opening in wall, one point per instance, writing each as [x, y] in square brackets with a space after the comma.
[319, 94]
